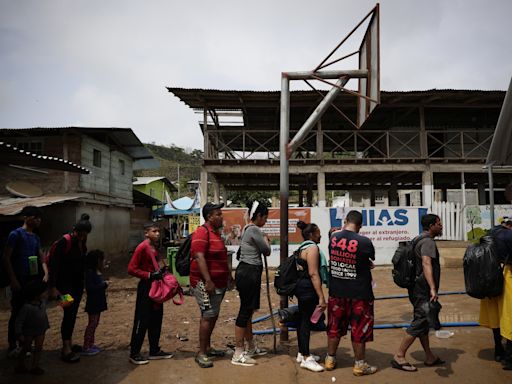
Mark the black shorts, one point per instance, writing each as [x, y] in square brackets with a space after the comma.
[426, 314]
[248, 284]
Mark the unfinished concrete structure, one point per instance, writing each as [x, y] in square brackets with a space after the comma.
[416, 140]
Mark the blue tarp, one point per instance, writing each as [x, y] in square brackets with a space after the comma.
[183, 204]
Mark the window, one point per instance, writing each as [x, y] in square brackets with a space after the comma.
[151, 192]
[96, 160]
[121, 167]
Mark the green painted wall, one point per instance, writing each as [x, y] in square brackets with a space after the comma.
[154, 189]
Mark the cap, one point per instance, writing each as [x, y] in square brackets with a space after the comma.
[208, 207]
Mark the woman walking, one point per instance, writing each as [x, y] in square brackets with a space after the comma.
[254, 244]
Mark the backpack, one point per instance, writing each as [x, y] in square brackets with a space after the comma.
[288, 274]
[404, 263]
[183, 256]
[483, 275]
[51, 252]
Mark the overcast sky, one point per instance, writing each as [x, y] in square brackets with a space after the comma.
[107, 63]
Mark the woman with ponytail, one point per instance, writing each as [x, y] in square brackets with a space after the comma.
[254, 244]
[67, 274]
[309, 293]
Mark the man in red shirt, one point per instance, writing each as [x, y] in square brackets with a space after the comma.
[148, 314]
[209, 278]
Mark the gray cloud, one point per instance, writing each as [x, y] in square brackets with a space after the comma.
[97, 63]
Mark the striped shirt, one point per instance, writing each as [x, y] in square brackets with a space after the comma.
[209, 242]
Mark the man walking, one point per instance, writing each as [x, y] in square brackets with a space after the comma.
[423, 295]
[209, 277]
[350, 293]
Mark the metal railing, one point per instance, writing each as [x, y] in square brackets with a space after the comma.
[406, 144]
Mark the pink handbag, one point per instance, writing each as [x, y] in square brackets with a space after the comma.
[166, 288]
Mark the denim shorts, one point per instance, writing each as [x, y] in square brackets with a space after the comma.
[209, 304]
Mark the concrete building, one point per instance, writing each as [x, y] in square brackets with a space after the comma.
[416, 147]
[110, 154]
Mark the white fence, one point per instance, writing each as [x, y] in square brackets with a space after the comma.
[452, 217]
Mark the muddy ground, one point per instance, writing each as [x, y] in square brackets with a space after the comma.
[469, 353]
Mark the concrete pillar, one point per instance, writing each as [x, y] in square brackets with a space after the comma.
[482, 199]
[393, 194]
[309, 193]
[204, 187]
[428, 188]
[301, 196]
[216, 192]
[206, 138]
[322, 202]
[423, 134]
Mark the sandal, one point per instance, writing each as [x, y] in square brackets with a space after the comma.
[403, 367]
[437, 361]
[70, 357]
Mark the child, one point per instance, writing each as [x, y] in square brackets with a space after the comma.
[148, 314]
[31, 325]
[96, 303]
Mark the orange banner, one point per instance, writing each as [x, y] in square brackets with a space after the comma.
[235, 220]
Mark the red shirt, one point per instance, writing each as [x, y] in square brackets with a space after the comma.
[141, 262]
[210, 243]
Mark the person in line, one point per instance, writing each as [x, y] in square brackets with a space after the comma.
[496, 312]
[148, 314]
[350, 293]
[424, 292]
[254, 244]
[31, 326]
[95, 286]
[309, 293]
[67, 273]
[23, 262]
[209, 278]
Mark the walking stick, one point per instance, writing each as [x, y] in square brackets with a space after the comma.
[270, 306]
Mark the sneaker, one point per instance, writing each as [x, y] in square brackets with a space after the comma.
[90, 351]
[330, 362]
[300, 358]
[138, 359]
[243, 360]
[363, 369]
[311, 364]
[203, 361]
[160, 355]
[256, 352]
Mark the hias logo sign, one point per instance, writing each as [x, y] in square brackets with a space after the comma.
[382, 217]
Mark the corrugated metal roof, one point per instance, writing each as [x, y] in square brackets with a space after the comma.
[18, 156]
[10, 206]
[147, 180]
[123, 137]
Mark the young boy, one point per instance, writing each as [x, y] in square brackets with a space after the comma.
[24, 262]
[148, 314]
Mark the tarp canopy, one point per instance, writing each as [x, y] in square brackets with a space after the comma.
[183, 206]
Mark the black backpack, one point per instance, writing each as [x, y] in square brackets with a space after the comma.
[483, 275]
[183, 256]
[287, 275]
[404, 263]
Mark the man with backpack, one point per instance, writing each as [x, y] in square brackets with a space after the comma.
[423, 294]
[23, 262]
[209, 278]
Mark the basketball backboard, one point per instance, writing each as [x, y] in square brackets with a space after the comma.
[369, 59]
